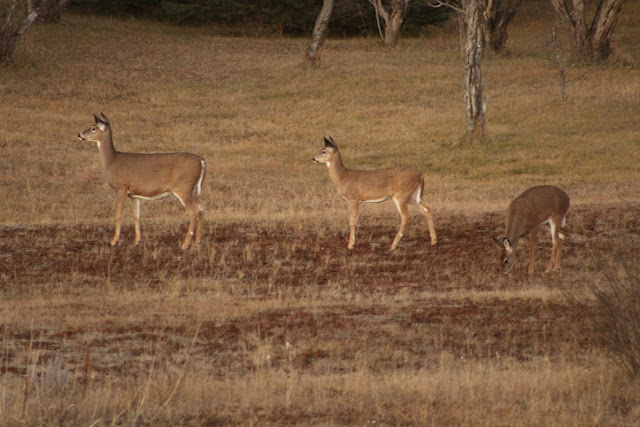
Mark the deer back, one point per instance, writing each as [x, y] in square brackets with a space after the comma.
[152, 174]
[366, 185]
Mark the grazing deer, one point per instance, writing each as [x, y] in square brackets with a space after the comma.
[149, 177]
[538, 205]
[402, 185]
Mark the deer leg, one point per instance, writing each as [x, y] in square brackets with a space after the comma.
[556, 240]
[191, 208]
[404, 218]
[200, 219]
[186, 199]
[559, 242]
[189, 236]
[532, 243]
[354, 208]
[554, 245]
[136, 219]
[426, 213]
[121, 196]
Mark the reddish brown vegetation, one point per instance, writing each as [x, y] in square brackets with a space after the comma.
[440, 305]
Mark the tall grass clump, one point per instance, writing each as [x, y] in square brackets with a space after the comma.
[618, 317]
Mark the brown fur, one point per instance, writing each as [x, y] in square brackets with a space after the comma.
[149, 176]
[533, 207]
[402, 185]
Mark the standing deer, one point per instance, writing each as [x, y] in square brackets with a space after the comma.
[538, 205]
[149, 177]
[402, 185]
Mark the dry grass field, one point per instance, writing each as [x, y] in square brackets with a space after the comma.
[272, 320]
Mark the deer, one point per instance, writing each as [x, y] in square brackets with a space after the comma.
[542, 204]
[402, 185]
[149, 176]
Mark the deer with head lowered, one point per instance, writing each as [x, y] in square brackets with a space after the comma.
[402, 185]
[150, 176]
[538, 205]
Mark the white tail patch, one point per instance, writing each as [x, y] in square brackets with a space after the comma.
[418, 195]
[202, 172]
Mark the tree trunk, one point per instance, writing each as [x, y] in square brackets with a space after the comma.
[590, 42]
[392, 21]
[472, 59]
[497, 18]
[604, 23]
[319, 32]
[14, 27]
[396, 18]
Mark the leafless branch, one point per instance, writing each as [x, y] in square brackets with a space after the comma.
[440, 3]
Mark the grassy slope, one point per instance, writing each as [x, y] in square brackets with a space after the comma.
[257, 113]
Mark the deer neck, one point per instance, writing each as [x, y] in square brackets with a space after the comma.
[106, 150]
[514, 229]
[337, 170]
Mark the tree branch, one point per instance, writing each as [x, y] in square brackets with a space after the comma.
[446, 3]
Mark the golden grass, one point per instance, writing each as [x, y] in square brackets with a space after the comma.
[247, 104]
[184, 375]
[460, 393]
[272, 321]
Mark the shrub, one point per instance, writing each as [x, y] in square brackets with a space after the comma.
[288, 17]
[618, 317]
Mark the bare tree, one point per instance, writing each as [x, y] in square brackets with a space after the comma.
[560, 64]
[392, 19]
[472, 59]
[470, 15]
[319, 32]
[497, 17]
[15, 21]
[590, 41]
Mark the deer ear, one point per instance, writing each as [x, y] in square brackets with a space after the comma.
[497, 242]
[330, 143]
[96, 118]
[104, 118]
[507, 245]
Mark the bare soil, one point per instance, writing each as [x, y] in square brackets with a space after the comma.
[421, 300]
